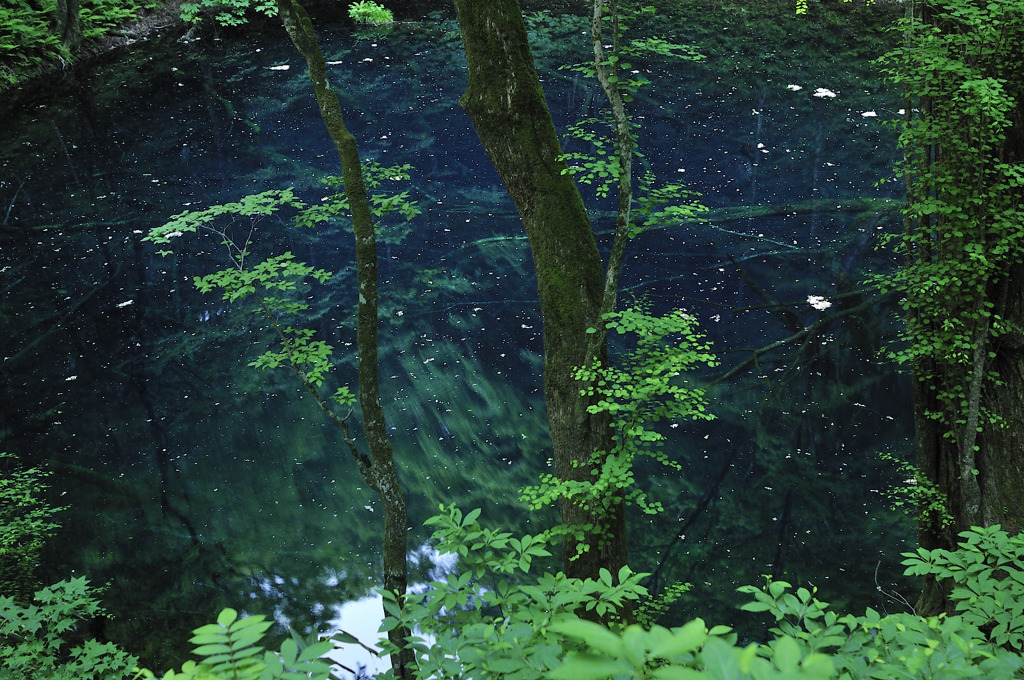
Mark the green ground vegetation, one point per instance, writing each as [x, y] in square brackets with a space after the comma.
[30, 43]
[496, 618]
[25, 525]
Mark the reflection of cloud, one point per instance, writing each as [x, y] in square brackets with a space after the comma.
[362, 618]
[818, 302]
[869, 114]
[824, 93]
[795, 88]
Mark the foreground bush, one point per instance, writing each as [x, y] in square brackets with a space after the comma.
[490, 620]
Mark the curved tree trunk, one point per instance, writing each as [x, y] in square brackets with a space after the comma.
[379, 470]
[505, 102]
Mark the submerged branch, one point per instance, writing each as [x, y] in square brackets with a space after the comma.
[800, 336]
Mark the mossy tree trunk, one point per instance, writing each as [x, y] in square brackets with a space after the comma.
[963, 245]
[991, 490]
[379, 469]
[68, 25]
[505, 102]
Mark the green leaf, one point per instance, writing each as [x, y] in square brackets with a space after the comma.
[786, 654]
[588, 667]
[685, 639]
[593, 634]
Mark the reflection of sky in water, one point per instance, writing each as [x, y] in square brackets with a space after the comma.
[191, 477]
[361, 618]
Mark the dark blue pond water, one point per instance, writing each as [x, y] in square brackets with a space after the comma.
[195, 482]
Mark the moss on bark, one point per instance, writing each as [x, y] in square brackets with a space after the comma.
[505, 102]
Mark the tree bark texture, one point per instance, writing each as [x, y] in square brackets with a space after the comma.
[505, 102]
[68, 24]
[381, 473]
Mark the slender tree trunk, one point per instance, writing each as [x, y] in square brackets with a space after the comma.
[68, 25]
[379, 470]
[505, 102]
[608, 78]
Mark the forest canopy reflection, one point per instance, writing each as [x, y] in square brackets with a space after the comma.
[195, 482]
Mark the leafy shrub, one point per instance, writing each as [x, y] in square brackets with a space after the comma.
[874, 646]
[486, 623]
[24, 526]
[227, 12]
[28, 43]
[33, 638]
[688, 652]
[490, 620]
[34, 646]
[369, 12]
[989, 593]
[230, 650]
[988, 570]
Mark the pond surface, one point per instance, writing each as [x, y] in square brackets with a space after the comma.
[194, 482]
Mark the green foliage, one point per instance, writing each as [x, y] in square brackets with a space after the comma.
[611, 144]
[918, 495]
[34, 645]
[230, 650]
[28, 43]
[273, 283]
[690, 652]
[646, 385]
[491, 620]
[34, 639]
[280, 272]
[621, 71]
[254, 206]
[369, 12]
[650, 611]
[227, 12]
[965, 222]
[664, 206]
[875, 646]
[483, 622]
[100, 17]
[811, 641]
[988, 572]
[801, 5]
[24, 526]
[382, 204]
[600, 165]
[988, 590]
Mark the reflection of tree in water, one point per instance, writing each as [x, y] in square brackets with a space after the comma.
[202, 481]
[787, 481]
